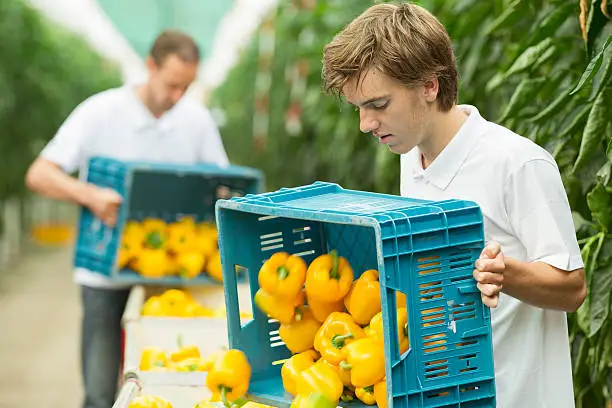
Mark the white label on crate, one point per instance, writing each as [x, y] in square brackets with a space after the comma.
[452, 326]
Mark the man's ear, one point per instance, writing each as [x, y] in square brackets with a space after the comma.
[151, 65]
[431, 88]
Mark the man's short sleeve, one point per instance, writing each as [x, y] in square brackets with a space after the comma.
[540, 215]
[212, 150]
[66, 147]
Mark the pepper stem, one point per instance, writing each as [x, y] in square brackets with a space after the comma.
[345, 366]
[334, 273]
[282, 272]
[224, 391]
[369, 389]
[299, 313]
[346, 397]
[338, 340]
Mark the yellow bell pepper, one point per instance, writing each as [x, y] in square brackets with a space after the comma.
[154, 224]
[181, 239]
[380, 393]
[152, 357]
[282, 310]
[153, 263]
[229, 376]
[363, 300]
[400, 299]
[128, 251]
[299, 335]
[190, 264]
[293, 367]
[375, 329]
[320, 378]
[149, 401]
[213, 266]
[283, 275]
[134, 232]
[154, 307]
[184, 352]
[366, 395]
[189, 364]
[329, 277]
[344, 375]
[312, 401]
[321, 310]
[365, 358]
[338, 330]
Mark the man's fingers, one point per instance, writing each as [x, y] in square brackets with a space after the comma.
[491, 265]
[488, 289]
[488, 277]
[491, 250]
[490, 301]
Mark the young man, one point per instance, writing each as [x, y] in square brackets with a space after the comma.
[149, 122]
[395, 63]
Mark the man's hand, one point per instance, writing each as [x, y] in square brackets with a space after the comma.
[489, 273]
[104, 203]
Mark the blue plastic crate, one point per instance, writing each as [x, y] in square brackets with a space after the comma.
[424, 249]
[154, 190]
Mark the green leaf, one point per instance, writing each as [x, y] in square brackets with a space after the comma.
[523, 96]
[600, 202]
[529, 56]
[594, 131]
[507, 18]
[552, 22]
[600, 298]
[609, 148]
[603, 175]
[592, 68]
[553, 108]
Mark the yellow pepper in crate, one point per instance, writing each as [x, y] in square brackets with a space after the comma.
[189, 364]
[150, 225]
[375, 329]
[229, 376]
[190, 264]
[154, 307]
[149, 401]
[365, 358]
[299, 335]
[185, 352]
[329, 277]
[320, 378]
[344, 375]
[283, 275]
[152, 357]
[182, 239]
[366, 395]
[312, 401]
[282, 310]
[293, 367]
[321, 310]
[380, 393]
[363, 300]
[153, 263]
[213, 266]
[338, 330]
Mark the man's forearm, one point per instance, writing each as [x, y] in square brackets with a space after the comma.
[544, 286]
[47, 179]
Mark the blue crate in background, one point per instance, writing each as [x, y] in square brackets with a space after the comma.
[152, 190]
[423, 249]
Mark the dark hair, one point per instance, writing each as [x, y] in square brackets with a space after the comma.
[171, 42]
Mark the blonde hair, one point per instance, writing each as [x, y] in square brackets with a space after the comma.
[404, 41]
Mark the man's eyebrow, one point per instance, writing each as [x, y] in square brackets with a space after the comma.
[372, 100]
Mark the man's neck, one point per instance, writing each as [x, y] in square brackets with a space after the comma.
[443, 127]
[143, 95]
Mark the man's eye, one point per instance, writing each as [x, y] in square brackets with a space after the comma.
[381, 107]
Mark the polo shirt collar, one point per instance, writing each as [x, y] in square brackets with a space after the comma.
[446, 166]
[142, 117]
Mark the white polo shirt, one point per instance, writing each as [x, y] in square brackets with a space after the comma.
[525, 208]
[116, 124]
